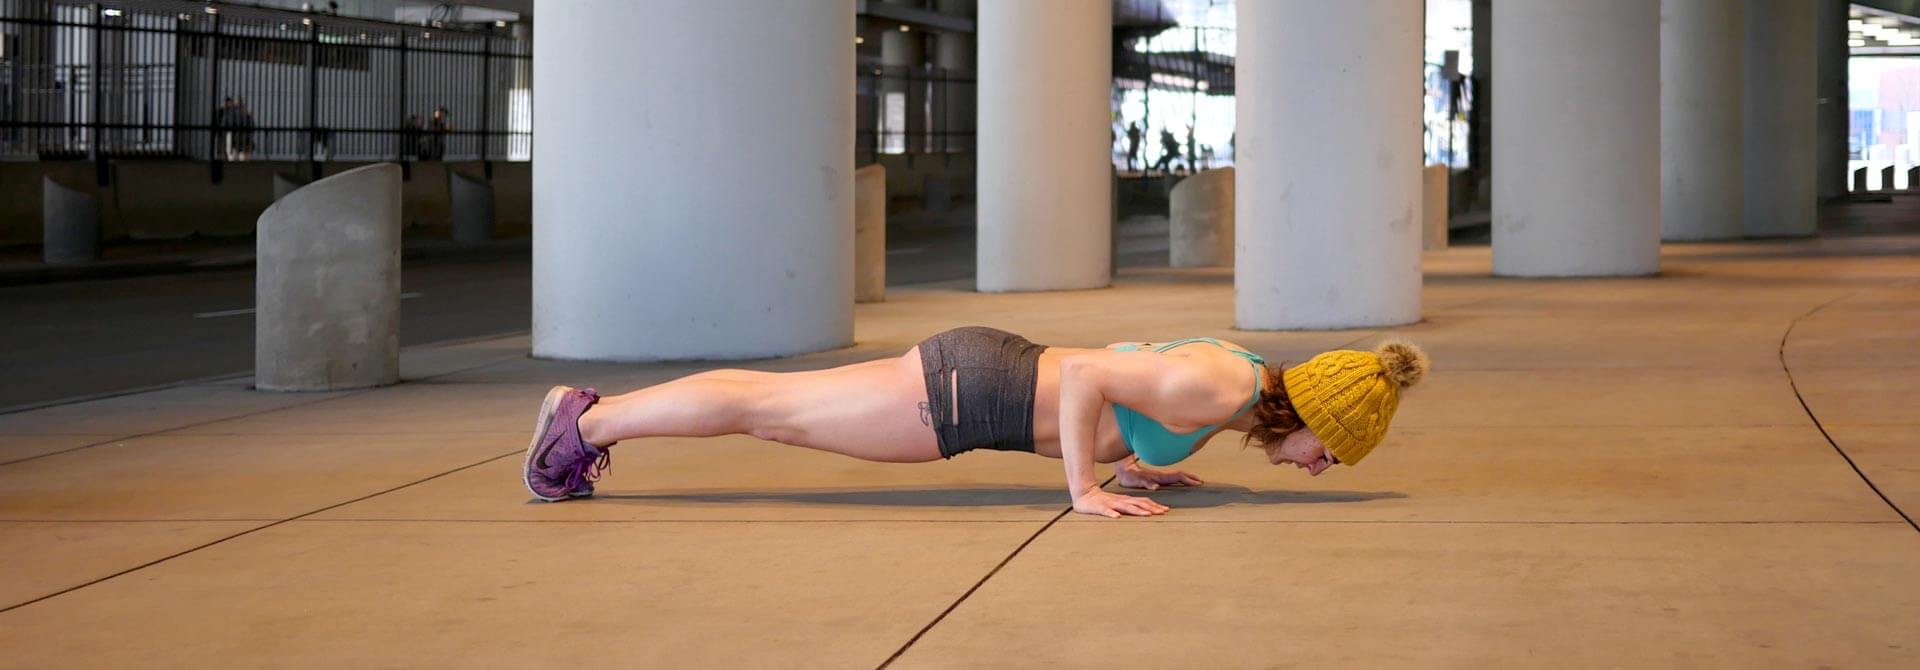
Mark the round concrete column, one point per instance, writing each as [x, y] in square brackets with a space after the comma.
[1576, 133]
[1327, 174]
[471, 199]
[714, 219]
[1831, 146]
[69, 224]
[954, 51]
[327, 287]
[1044, 207]
[1700, 109]
[1781, 109]
[870, 234]
[903, 49]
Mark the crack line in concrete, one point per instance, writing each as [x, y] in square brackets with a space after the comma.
[346, 394]
[1388, 522]
[251, 531]
[690, 521]
[1385, 522]
[976, 585]
[1816, 420]
[163, 431]
[1016, 552]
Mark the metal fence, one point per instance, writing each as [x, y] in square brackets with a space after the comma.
[215, 82]
[907, 110]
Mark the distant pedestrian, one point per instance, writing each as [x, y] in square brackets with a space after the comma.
[1133, 143]
[1169, 150]
[437, 129]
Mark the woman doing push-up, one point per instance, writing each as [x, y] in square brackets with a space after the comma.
[981, 388]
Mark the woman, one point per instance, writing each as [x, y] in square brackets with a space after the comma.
[980, 388]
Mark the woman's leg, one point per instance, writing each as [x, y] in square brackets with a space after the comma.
[866, 410]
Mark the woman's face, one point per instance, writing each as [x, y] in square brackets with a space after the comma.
[1302, 450]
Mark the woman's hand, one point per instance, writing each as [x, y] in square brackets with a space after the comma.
[1133, 476]
[1113, 505]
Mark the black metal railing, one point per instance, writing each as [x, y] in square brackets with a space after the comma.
[907, 110]
[216, 82]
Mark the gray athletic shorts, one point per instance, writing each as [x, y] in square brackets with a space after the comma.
[996, 373]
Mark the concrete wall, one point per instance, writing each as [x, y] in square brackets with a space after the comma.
[168, 199]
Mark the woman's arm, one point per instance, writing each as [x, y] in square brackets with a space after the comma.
[1129, 473]
[1167, 388]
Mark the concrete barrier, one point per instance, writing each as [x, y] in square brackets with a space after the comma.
[1433, 206]
[472, 201]
[1200, 228]
[870, 234]
[327, 287]
[70, 225]
[284, 183]
[936, 195]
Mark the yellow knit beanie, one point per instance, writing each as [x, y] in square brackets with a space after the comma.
[1347, 397]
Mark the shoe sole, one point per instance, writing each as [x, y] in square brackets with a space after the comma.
[540, 425]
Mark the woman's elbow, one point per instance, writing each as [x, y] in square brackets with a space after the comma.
[1078, 374]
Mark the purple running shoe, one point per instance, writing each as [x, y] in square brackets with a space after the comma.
[560, 464]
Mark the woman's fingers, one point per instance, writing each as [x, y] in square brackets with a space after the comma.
[1175, 478]
[1146, 506]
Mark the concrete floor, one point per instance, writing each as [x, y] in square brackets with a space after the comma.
[1598, 473]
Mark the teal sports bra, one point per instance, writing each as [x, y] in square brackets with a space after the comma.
[1152, 442]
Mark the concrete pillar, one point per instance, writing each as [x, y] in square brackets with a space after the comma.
[904, 54]
[284, 183]
[718, 222]
[1700, 110]
[1481, 160]
[1576, 133]
[471, 200]
[69, 224]
[1433, 206]
[953, 51]
[1200, 228]
[1044, 96]
[1327, 212]
[1781, 107]
[1830, 166]
[870, 234]
[903, 48]
[327, 286]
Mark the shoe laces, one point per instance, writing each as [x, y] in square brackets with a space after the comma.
[589, 470]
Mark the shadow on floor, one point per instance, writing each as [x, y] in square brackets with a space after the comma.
[1211, 495]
